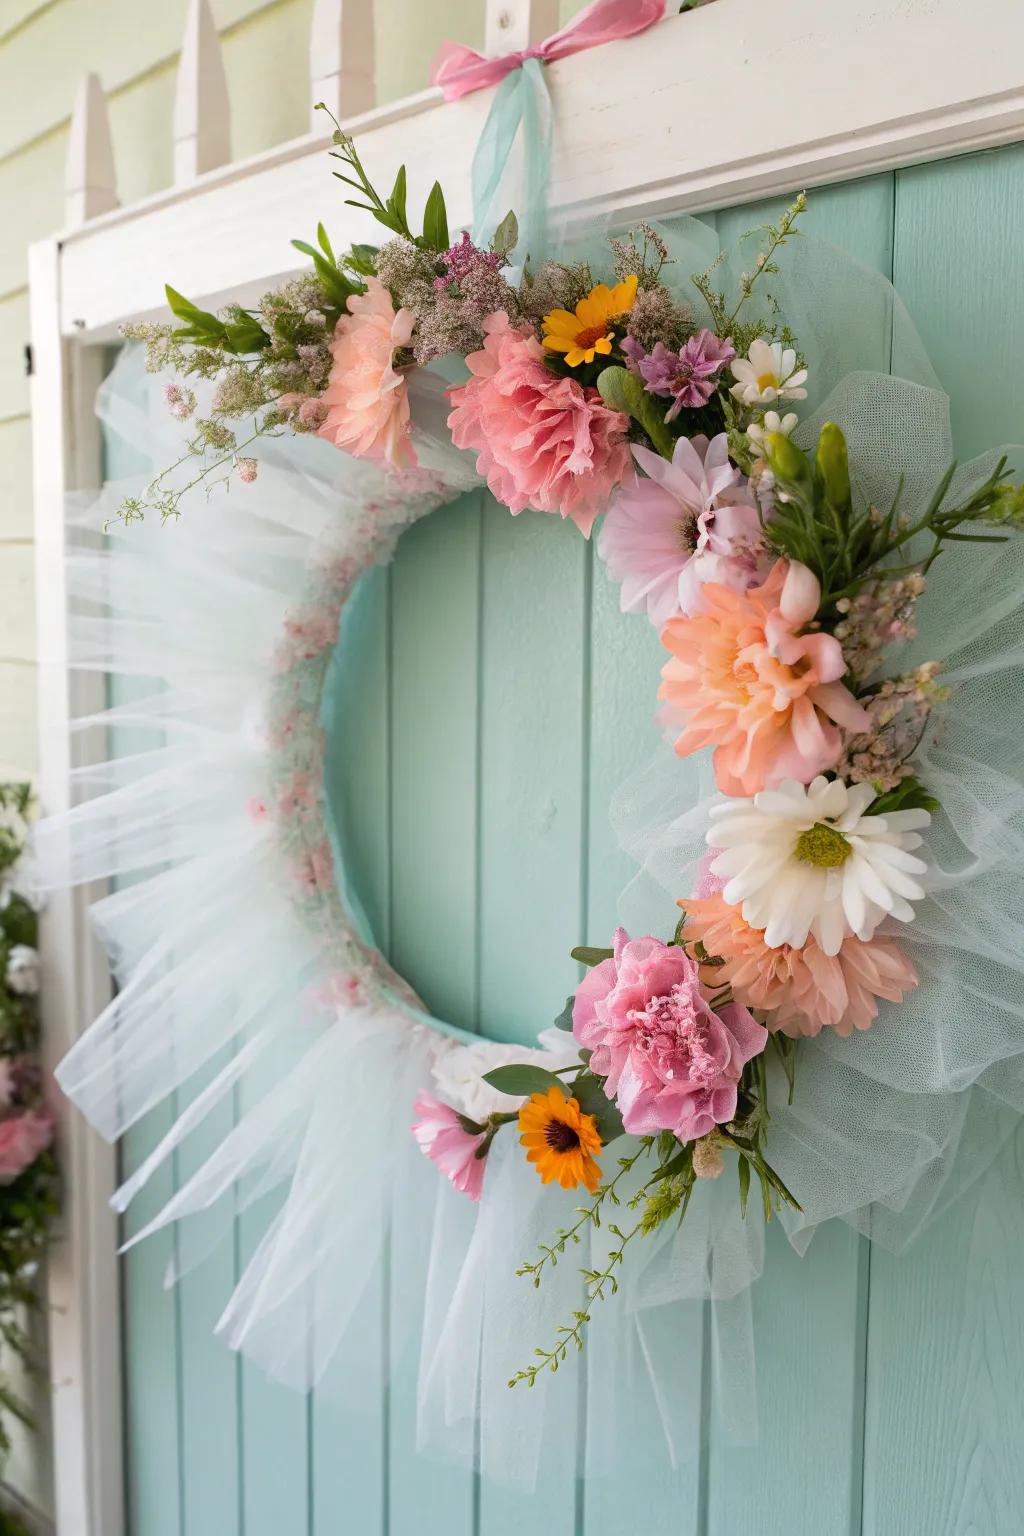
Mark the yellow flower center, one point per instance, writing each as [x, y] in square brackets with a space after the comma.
[824, 846]
[767, 381]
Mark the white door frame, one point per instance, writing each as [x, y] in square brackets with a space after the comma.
[734, 101]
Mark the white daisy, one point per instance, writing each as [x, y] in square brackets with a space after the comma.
[800, 860]
[768, 372]
[771, 422]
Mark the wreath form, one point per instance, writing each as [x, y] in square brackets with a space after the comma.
[290, 1311]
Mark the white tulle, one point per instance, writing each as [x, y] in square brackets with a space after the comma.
[220, 955]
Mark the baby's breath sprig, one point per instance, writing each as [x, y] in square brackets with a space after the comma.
[776, 237]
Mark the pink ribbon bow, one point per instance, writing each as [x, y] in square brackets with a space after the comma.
[459, 70]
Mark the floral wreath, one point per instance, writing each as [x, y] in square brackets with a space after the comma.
[780, 590]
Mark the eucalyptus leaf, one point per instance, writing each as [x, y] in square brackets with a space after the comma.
[588, 956]
[624, 391]
[520, 1079]
[506, 236]
[564, 1020]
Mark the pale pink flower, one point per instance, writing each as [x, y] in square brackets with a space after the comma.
[802, 990]
[671, 1062]
[746, 679]
[22, 1138]
[296, 796]
[248, 469]
[689, 521]
[256, 808]
[366, 396]
[541, 441]
[444, 1136]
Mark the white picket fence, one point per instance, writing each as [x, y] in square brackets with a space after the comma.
[341, 74]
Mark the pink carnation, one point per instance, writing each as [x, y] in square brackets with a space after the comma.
[22, 1138]
[443, 1137]
[803, 990]
[542, 441]
[672, 1063]
[366, 396]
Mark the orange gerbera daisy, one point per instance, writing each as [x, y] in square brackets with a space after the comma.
[581, 336]
[560, 1139]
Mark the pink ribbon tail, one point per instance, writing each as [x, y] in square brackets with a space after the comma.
[458, 70]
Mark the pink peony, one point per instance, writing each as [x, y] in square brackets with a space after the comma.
[542, 441]
[443, 1137]
[366, 396]
[748, 681]
[22, 1138]
[672, 1063]
[804, 990]
[688, 522]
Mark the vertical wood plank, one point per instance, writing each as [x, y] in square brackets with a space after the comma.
[209, 1372]
[433, 788]
[514, 24]
[637, 1487]
[944, 1415]
[535, 711]
[90, 183]
[150, 1311]
[811, 1310]
[202, 122]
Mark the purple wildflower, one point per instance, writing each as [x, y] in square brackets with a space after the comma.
[463, 258]
[687, 377]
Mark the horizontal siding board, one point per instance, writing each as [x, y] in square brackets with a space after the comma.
[17, 602]
[13, 341]
[16, 519]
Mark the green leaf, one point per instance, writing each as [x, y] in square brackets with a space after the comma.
[623, 391]
[520, 1079]
[435, 220]
[588, 1091]
[362, 259]
[564, 1020]
[506, 236]
[909, 795]
[680, 1163]
[336, 284]
[588, 956]
[396, 202]
[743, 1172]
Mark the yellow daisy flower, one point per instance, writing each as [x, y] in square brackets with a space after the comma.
[589, 331]
[560, 1139]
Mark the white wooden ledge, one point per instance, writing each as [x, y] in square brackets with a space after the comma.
[733, 101]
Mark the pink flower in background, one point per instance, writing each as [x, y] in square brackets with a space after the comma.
[671, 1062]
[746, 680]
[297, 796]
[689, 521]
[443, 1137]
[542, 441]
[804, 990]
[366, 396]
[22, 1138]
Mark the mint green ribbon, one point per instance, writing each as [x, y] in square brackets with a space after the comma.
[522, 102]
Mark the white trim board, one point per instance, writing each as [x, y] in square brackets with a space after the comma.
[731, 102]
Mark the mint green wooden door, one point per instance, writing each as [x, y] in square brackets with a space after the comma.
[502, 698]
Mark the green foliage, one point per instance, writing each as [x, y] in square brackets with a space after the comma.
[588, 1091]
[586, 955]
[520, 1079]
[435, 220]
[909, 795]
[564, 1019]
[623, 391]
[338, 288]
[29, 1202]
[240, 335]
[506, 236]
[814, 520]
